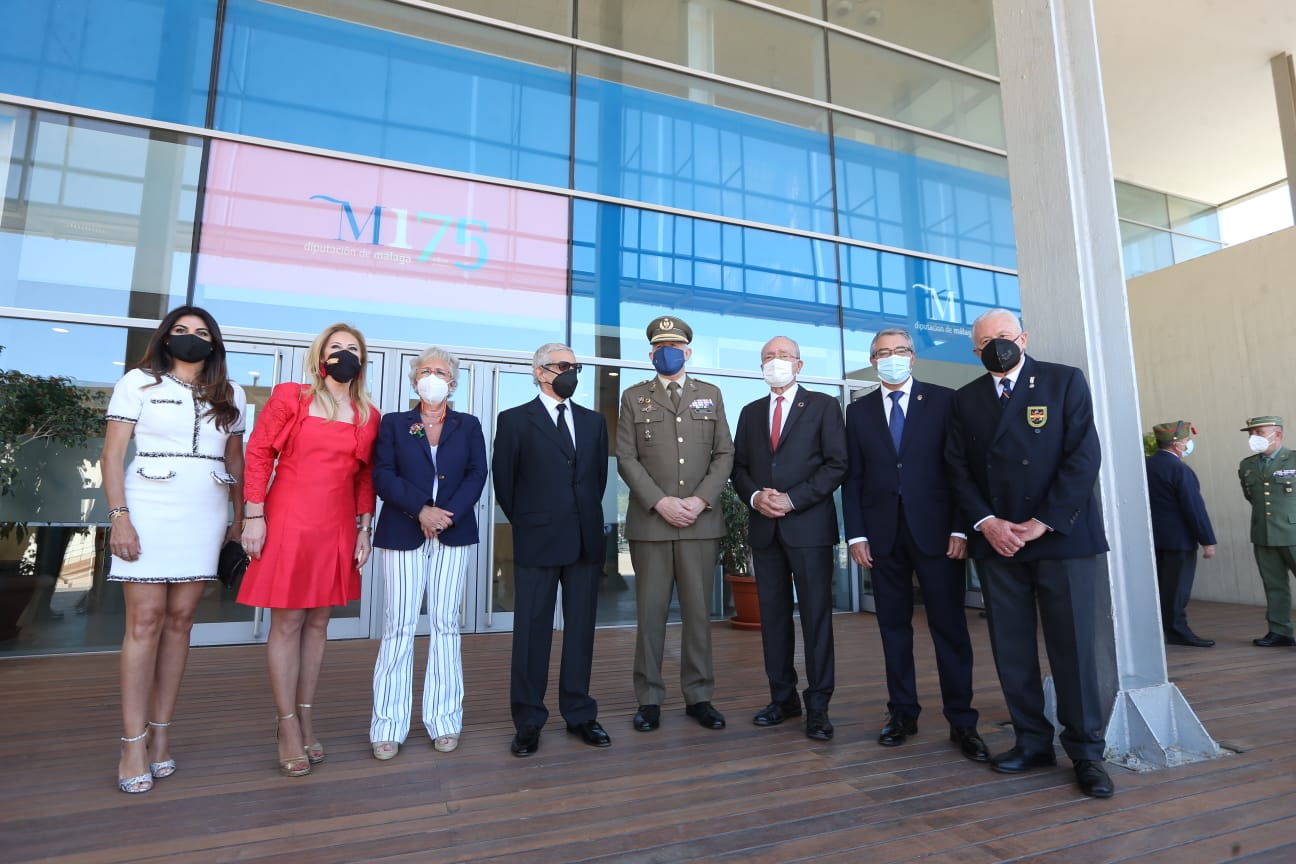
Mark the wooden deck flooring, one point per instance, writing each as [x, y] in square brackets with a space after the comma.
[679, 794]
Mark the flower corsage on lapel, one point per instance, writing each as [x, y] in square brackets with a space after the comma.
[416, 430]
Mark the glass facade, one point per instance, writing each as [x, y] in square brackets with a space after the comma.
[489, 178]
[1159, 230]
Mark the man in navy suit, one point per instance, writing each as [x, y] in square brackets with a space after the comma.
[1025, 455]
[1179, 526]
[901, 520]
[789, 458]
[550, 469]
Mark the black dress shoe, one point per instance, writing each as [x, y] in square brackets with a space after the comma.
[970, 743]
[1093, 779]
[526, 741]
[1017, 760]
[1192, 640]
[775, 713]
[1274, 640]
[591, 733]
[647, 718]
[706, 715]
[818, 726]
[898, 727]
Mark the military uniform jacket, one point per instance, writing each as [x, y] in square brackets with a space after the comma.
[1271, 489]
[661, 453]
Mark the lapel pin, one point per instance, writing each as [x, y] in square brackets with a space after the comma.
[800, 404]
[919, 397]
[1031, 385]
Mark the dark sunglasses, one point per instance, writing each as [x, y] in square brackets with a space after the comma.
[563, 366]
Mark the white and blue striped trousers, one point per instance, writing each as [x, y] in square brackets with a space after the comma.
[437, 571]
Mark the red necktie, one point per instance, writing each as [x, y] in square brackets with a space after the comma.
[777, 424]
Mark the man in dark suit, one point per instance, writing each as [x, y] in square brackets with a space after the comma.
[550, 469]
[1179, 525]
[789, 458]
[901, 520]
[1025, 455]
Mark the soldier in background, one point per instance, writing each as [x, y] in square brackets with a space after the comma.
[675, 453]
[1179, 526]
[1268, 479]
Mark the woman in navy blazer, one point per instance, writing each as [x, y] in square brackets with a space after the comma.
[429, 471]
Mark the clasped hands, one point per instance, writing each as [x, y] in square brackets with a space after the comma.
[772, 503]
[680, 512]
[434, 520]
[1007, 538]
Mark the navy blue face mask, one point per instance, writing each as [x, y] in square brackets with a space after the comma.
[668, 359]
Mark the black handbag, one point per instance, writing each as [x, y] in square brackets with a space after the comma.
[231, 565]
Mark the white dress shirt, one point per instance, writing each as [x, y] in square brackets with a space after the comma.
[551, 405]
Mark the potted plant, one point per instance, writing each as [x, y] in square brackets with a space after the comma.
[735, 559]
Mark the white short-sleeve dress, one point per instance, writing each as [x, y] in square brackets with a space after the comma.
[177, 487]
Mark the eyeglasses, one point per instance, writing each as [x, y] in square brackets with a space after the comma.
[562, 366]
[440, 373]
[884, 353]
[781, 355]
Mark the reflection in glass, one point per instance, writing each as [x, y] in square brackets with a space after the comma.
[98, 217]
[1140, 204]
[1144, 249]
[719, 36]
[736, 287]
[672, 139]
[958, 30]
[889, 84]
[349, 81]
[148, 58]
[912, 191]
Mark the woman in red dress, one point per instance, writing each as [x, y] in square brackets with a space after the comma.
[309, 536]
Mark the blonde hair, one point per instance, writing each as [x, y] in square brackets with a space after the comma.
[359, 396]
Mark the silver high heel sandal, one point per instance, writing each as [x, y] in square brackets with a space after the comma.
[293, 766]
[142, 783]
[314, 752]
[162, 769]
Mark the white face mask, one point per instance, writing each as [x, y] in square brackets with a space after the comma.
[433, 390]
[1188, 448]
[1258, 443]
[894, 369]
[778, 373]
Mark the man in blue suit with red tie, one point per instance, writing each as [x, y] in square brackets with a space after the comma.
[900, 520]
[1024, 454]
[1179, 526]
[550, 469]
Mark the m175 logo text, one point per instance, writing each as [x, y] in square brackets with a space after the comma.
[430, 229]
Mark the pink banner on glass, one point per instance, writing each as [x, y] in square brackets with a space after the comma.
[283, 222]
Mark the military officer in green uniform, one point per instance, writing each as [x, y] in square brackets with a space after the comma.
[1269, 483]
[674, 451]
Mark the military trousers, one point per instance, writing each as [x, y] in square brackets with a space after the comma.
[661, 567]
[1275, 562]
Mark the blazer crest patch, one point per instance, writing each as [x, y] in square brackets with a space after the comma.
[1036, 416]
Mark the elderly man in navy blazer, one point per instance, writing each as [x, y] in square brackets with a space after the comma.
[901, 520]
[1025, 455]
[550, 469]
[1179, 525]
[789, 458]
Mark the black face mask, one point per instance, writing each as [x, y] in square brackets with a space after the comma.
[564, 384]
[342, 366]
[1000, 355]
[188, 347]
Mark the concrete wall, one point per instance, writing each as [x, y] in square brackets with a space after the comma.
[1215, 343]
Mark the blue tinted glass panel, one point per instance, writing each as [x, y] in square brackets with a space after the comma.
[396, 94]
[935, 302]
[1144, 249]
[910, 202]
[736, 287]
[1188, 248]
[692, 154]
[147, 58]
[98, 217]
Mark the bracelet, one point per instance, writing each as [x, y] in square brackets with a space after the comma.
[246, 518]
[117, 511]
[365, 528]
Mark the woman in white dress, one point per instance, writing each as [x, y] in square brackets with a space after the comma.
[169, 511]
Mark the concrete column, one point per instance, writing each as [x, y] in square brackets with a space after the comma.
[1284, 75]
[1075, 309]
